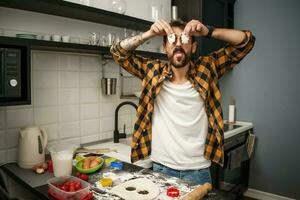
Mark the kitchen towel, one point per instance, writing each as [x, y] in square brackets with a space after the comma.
[236, 157]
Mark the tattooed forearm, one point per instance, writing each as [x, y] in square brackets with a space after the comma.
[133, 42]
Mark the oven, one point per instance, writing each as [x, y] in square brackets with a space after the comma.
[234, 176]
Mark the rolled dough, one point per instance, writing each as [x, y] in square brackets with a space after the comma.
[141, 185]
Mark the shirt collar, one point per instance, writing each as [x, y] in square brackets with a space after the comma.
[168, 73]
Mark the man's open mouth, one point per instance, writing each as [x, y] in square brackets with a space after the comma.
[178, 54]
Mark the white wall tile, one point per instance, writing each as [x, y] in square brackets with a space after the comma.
[69, 129]
[11, 155]
[89, 95]
[107, 124]
[2, 140]
[124, 119]
[68, 96]
[89, 111]
[89, 138]
[111, 67]
[74, 141]
[44, 61]
[19, 118]
[126, 109]
[67, 62]
[90, 63]
[45, 115]
[89, 79]
[18, 107]
[107, 109]
[106, 135]
[133, 116]
[89, 127]
[11, 138]
[45, 79]
[2, 119]
[51, 131]
[2, 157]
[45, 97]
[109, 98]
[68, 79]
[69, 113]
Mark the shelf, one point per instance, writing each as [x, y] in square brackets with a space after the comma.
[77, 11]
[69, 47]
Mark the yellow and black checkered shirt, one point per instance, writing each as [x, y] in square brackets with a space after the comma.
[203, 75]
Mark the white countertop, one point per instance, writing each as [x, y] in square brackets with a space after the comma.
[123, 149]
[244, 127]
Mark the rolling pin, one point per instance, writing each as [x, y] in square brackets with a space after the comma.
[198, 193]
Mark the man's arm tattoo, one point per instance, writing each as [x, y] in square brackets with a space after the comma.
[132, 42]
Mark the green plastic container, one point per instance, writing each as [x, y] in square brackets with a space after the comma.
[90, 170]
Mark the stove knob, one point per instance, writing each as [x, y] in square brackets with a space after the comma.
[13, 82]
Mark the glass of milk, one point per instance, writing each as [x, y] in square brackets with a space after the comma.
[62, 157]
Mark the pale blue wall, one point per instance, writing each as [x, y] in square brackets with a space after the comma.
[267, 90]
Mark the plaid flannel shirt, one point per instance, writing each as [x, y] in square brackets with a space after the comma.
[203, 75]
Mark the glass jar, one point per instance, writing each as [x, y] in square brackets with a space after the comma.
[119, 6]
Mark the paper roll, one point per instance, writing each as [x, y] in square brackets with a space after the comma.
[231, 114]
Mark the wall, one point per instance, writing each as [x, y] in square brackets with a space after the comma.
[266, 87]
[66, 96]
[67, 101]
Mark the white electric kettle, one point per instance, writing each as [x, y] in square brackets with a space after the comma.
[32, 143]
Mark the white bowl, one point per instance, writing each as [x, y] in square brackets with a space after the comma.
[56, 38]
[65, 38]
[46, 37]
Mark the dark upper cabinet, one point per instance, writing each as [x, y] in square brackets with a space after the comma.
[217, 13]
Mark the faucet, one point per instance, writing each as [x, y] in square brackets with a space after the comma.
[118, 135]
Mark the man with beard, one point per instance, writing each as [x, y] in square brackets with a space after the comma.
[179, 122]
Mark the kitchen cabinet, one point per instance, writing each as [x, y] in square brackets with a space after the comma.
[217, 13]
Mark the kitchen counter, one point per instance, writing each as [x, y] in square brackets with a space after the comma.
[236, 128]
[38, 183]
[123, 149]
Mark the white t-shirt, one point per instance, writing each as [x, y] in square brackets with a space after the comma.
[179, 127]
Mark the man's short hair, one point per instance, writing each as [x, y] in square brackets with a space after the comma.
[177, 23]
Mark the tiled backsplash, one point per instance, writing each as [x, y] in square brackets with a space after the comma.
[67, 102]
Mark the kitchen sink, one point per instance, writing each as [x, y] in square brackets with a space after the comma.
[126, 141]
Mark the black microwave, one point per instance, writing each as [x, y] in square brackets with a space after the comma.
[14, 75]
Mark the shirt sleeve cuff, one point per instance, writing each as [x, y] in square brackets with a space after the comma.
[246, 40]
[122, 50]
